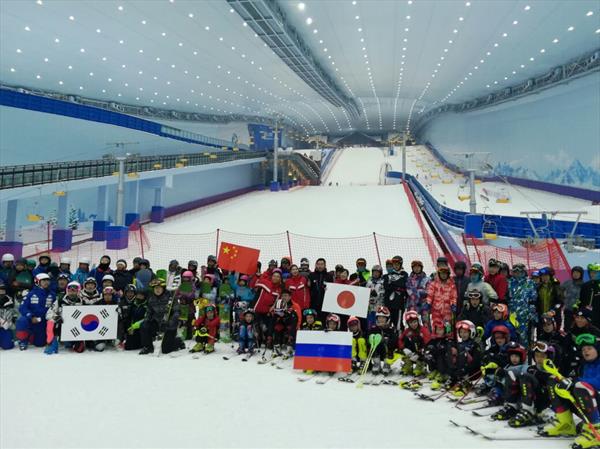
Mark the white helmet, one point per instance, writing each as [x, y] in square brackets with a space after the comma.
[108, 277]
[40, 277]
[74, 284]
[65, 260]
[85, 260]
[8, 257]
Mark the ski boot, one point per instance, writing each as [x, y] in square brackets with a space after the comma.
[376, 366]
[419, 368]
[562, 425]
[146, 350]
[523, 418]
[52, 347]
[209, 348]
[277, 351]
[482, 389]
[412, 385]
[22, 345]
[505, 413]
[461, 389]
[438, 382]
[587, 439]
[198, 347]
[100, 346]
[407, 368]
[387, 369]
[433, 375]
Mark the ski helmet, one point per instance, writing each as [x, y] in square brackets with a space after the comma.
[249, 312]
[467, 325]
[377, 268]
[272, 263]
[493, 263]
[397, 259]
[304, 261]
[410, 315]
[211, 258]
[587, 340]
[542, 346]
[442, 260]
[477, 268]
[548, 318]
[585, 313]
[353, 320]
[594, 267]
[244, 278]
[474, 293]
[383, 311]
[8, 257]
[277, 270]
[308, 312]
[74, 285]
[187, 274]
[130, 288]
[90, 280]
[502, 309]
[108, 277]
[211, 277]
[84, 260]
[44, 256]
[361, 261]
[193, 263]
[64, 276]
[416, 263]
[335, 318]
[535, 274]
[438, 324]
[40, 277]
[210, 308]
[547, 271]
[501, 329]
[515, 348]
[519, 268]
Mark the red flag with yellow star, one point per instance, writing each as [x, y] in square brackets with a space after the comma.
[238, 258]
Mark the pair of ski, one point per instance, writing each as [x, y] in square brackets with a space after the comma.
[321, 377]
[245, 358]
[504, 434]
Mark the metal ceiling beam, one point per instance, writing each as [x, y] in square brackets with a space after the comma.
[269, 22]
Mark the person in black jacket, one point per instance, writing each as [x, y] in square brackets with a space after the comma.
[162, 316]
[384, 351]
[137, 313]
[590, 293]
[474, 310]
[394, 285]
[123, 277]
[316, 282]
[461, 281]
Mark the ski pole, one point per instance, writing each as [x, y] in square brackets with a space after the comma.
[375, 341]
[461, 400]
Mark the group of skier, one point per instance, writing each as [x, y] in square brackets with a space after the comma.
[522, 339]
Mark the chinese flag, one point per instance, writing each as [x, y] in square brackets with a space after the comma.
[238, 258]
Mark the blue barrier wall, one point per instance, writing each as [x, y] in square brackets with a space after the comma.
[516, 227]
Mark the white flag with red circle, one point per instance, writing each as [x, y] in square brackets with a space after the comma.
[346, 299]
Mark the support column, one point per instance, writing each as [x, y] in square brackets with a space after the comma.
[275, 181]
[62, 236]
[100, 223]
[132, 199]
[157, 215]
[11, 245]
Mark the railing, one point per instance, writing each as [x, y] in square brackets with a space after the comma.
[36, 174]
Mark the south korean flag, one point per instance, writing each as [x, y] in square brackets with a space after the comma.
[82, 323]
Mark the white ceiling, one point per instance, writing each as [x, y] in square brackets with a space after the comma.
[198, 56]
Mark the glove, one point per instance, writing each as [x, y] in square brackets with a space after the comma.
[35, 319]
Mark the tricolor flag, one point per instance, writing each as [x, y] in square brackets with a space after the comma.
[82, 323]
[346, 299]
[323, 351]
[238, 258]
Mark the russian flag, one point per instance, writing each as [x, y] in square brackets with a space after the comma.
[323, 351]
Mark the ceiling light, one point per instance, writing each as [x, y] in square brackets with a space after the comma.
[309, 20]
[532, 59]
[301, 6]
[360, 30]
[315, 31]
[354, 2]
[357, 17]
[598, 31]
[39, 2]
[207, 28]
[38, 76]
[163, 34]
[406, 29]
[120, 8]
[231, 10]
[140, 51]
[110, 80]
[407, 17]
[590, 13]
[12, 69]
[515, 22]
[70, 67]
[71, 18]
[61, 83]
[455, 31]
[571, 28]
[121, 42]
[555, 41]
[144, 22]
[489, 53]
[460, 19]
[543, 50]
[496, 44]
[57, 40]
[82, 50]
[27, 28]
[527, 8]
[191, 15]
[91, 73]
[180, 44]
[468, 4]
[504, 34]
[522, 66]
[514, 72]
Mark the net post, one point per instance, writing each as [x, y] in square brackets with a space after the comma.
[141, 240]
[377, 248]
[217, 244]
[287, 234]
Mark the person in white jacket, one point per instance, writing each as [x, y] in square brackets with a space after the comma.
[488, 294]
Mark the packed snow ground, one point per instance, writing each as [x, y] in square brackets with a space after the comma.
[124, 400]
[432, 174]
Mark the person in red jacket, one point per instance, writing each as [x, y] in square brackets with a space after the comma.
[497, 280]
[412, 343]
[441, 297]
[268, 291]
[206, 330]
[298, 286]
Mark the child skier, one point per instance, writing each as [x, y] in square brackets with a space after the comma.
[137, 312]
[8, 317]
[206, 330]
[246, 333]
[499, 318]
[442, 296]
[384, 351]
[54, 319]
[311, 322]
[359, 344]
[416, 289]
[474, 310]
[31, 325]
[522, 300]
[89, 295]
[377, 295]
[412, 343]
[282, 325]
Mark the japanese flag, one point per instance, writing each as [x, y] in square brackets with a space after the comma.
[346, 299]
[82, 323]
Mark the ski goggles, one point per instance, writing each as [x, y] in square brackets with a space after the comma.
[308, 312]
[585, 340]
[593, 267]
[540, 346]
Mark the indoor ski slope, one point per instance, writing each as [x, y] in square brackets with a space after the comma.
[445, 186]
[357, 207]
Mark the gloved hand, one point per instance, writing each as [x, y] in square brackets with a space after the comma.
[565, 384]
[35, 319]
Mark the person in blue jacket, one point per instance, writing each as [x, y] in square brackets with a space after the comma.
[43, 265]
[102, 269]
[83, 271]
[31, 325]
[579, 393]
[500, 318]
